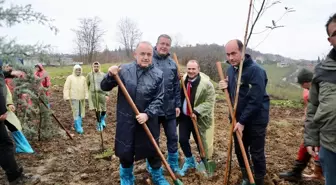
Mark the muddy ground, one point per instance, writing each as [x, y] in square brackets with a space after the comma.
[64, 161]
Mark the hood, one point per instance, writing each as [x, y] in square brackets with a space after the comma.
[40, 66]
[98, 65]
[330, 62]
[325, 70]
[77, 67]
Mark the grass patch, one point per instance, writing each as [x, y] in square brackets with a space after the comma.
[287, 103]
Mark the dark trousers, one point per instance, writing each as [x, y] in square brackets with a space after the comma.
[185, 129]
[154, 162]
[169, 126]
[7, 159]
[254, 143]
[328, 163]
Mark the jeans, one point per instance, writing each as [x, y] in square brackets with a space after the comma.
[328, 163]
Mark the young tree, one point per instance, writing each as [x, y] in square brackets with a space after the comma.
[128, 34]
[10, 52]
[88, 37]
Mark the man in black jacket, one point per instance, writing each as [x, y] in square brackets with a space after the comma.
[252, 112]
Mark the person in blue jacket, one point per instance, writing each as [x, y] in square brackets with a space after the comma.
[172, 97]
[144, 84]
[252, 113]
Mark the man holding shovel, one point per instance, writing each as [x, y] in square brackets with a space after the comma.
[144, 83]
[201, 94]
[252, 111]
[97, 97]
[171, 104]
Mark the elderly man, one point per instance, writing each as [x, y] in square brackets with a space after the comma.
[201, 94]
[76, 91]
[171, 105]
[320, 124]
[144, 83]
[253, 108]
[97, 97]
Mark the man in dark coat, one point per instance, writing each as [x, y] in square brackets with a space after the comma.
[144, 83]
[172, 97]
[252, 113]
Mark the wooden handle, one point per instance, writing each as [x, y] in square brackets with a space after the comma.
[62, 126]
[239, 137]
[194, 121]
[149, 134]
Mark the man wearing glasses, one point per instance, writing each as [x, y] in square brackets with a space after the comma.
[320, 123]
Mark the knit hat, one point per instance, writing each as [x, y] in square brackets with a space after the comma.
[304, 75]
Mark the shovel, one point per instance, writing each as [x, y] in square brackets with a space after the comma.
[204, 166]
[239, 136]
[145, 127]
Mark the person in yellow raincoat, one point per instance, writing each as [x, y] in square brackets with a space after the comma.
[76, 91]
[202, 96]
[14, 126]
[97, 97]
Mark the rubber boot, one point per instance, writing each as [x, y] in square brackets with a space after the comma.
[189, 163]
[22, 144]
[126, 175]
[102, 120]
[245, 177]
[148, 167]
[173, 162]
[317, 174]
[158, 178]
[295, 174]
[78, 125]
[100, 126]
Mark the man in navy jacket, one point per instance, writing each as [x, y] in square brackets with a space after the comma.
[252, 113]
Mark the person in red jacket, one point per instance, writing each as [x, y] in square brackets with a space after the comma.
[42, 74]
[304, 78]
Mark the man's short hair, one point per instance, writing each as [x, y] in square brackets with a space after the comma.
[194, 61]
[240, 45]
[330, 20]
[304, 76]
[143, 42]
[164, 36]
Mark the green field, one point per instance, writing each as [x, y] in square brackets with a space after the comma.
[276, 87]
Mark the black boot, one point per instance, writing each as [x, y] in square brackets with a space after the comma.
[295, 174]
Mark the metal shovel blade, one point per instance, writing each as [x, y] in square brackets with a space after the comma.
[207, 169]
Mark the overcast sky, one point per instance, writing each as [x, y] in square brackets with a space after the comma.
[193, 21]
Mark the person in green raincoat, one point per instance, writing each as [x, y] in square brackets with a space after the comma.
[201, 93]
[14, 126]
[97, 97]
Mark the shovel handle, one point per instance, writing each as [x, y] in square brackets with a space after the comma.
[145, 127]
[194, 121]
[239, 137]
[62, 126]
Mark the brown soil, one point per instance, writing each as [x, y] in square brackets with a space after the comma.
[65, 161]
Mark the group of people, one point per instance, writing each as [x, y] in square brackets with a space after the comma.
[153, 83]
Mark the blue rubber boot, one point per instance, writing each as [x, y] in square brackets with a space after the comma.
[158, 178]
[100, 126]
[189, 163]
[102, 120]
[126, 175]
[22, 144]
[148, 167]
[173, 162]
[78, 125]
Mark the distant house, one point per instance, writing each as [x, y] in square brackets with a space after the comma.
[282, 64]
[260, 59]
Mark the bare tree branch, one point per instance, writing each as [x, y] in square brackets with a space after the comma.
[128, 34]
[88, 38]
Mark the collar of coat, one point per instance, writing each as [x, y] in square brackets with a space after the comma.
[326, 69]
